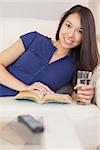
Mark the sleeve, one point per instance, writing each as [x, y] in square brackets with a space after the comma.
[28, 38]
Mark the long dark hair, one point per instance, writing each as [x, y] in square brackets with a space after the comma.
[87, 52]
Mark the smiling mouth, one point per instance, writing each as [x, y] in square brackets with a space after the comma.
[68, 41]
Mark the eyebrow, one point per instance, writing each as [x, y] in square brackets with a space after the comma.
[72, 24]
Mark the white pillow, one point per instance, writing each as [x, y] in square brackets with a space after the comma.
[12, 28]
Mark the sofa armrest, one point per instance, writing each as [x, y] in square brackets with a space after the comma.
[97, 93]
[96, 82]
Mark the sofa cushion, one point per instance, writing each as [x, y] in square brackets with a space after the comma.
[12, 28]
[98, 43]
[67, 89]
[97, 95]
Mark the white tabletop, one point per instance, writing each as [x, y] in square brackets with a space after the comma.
[59, 132]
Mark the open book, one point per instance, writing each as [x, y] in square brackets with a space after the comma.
[39, 97]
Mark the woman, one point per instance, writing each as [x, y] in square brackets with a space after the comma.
[37, 62]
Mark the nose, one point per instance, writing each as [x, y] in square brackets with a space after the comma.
[71, 33]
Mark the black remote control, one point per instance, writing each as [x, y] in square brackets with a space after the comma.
[34, 124]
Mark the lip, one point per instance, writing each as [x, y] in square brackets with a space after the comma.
[68, 41]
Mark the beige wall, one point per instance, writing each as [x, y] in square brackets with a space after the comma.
[42, 8]
[98, 18]
[94, 5]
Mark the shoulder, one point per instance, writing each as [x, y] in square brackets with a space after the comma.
[35, 34]
[35, 38]
[42, 40]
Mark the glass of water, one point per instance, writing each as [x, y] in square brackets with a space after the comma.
[83, 77]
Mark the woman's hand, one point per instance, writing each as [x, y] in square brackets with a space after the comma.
[85, 93]
[39, 86]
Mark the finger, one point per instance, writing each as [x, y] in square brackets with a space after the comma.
[84, 97]
[87, 93]
[76, 86]
[87, 88]
[45, 87]
[80, 100]
[84, 86]
[84, 102]
[40, 88]
[36, 86]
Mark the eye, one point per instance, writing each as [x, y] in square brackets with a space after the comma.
[80, 31]
[68, 25]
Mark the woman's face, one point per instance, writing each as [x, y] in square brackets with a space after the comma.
[70, 34]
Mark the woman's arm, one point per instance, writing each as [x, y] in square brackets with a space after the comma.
[9, 80]
[7, 57]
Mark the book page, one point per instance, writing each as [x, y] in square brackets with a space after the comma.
[34, 95]
[56, 97]
[39, 97]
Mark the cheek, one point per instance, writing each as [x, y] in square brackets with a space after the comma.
[62, 31]
[78, 39]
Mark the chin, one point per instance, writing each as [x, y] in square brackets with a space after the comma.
[66, 46]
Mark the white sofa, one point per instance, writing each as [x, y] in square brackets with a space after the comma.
[86, 119]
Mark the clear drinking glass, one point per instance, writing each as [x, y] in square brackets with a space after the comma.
[83, 77]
